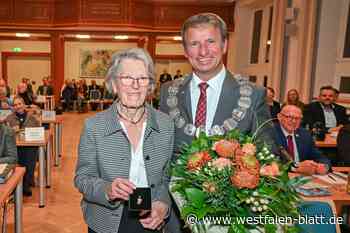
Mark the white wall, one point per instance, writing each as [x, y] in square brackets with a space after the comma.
[328, 43]
[72, 56]
[34, 68]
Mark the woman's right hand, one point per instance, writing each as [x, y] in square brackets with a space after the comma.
[120, 188]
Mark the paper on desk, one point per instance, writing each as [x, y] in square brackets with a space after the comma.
[335, 180]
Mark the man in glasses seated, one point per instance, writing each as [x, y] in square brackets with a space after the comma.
[299, 143]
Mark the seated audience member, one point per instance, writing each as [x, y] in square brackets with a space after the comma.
[164, 77]
[273, 105]
[45, 89]
[8, 149]
[29, 85]
[5, 102]
[343, 145]
[8, 90]
[23, 92]
[81, 97]
[178, 74]
[325, 111]
[294, 99]
[27, 156]
[299, 143]
[68, 95]
[94, 95]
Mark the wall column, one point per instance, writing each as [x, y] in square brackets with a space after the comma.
[57, 63]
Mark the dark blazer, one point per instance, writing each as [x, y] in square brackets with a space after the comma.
[314, 113]
[49, 90]
[275, 109]
[104, 154]
[8, 149]
[305, 145]
[228, 100]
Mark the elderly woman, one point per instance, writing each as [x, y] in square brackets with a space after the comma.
[130, 145]
[27, 156]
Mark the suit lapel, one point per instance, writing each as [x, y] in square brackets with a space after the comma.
[184, 98]
[227, 100]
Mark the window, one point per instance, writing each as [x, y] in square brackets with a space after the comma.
[268, 42]
[346, 52]
[254, 56]
[344, 84]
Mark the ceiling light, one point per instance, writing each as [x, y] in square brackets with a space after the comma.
[22, 34]
[177, 38]
[121, 37]
[268, 42]
[83, 36]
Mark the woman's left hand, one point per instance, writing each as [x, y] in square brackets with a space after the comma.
[156, 218]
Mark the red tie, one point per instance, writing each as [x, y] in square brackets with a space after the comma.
[290, 146]
[201, 112]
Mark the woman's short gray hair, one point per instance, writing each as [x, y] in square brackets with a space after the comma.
[132, 53]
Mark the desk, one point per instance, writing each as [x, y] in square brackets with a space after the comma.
[41, 144]
[58, 125]
[339, 195]
[15, 183]
[329, 142]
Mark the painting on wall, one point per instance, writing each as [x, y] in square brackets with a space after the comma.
[94, 63]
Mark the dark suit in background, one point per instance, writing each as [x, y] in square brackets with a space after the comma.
[314, 113]
[45, 90]
[305, 145]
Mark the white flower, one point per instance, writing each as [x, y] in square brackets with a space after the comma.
[254, 209]
[247, 201]
[255, 194]
[264, 207]
[260, 208]
[256, 203]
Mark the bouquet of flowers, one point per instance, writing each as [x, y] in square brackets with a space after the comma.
[231, 178]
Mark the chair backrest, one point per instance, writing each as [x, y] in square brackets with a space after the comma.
[343, 147]
[95, 94]
[310, 209]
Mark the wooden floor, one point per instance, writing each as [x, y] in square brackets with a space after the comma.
[62, 212]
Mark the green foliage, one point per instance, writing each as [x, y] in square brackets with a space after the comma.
[274, 196]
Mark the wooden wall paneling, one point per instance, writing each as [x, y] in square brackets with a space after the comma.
[151, 45]
[142, 14]
[33, 12]
[6, 10]
[6, 55]
[104, 11]
[57, 63]
[67, 12]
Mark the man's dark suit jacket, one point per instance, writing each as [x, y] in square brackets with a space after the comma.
[314, 113]
[305, 145]
[49, 90]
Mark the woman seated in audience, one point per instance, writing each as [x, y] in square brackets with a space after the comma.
[293, 99]
[23, 92]
[8, 149]
[27, 156]
[128, 146]
[5, 102]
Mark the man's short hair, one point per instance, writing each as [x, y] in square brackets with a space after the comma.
[204, 19]
[328, 87]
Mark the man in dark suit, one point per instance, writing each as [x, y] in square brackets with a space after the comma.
[45, 89]
[211, 99]
[299, 143]
[325, 112]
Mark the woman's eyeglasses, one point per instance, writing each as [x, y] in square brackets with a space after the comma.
[128, 80]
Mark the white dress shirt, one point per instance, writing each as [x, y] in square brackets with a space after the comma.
[137, 174]
[213, 91]
[296, 153]
[329, 116]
